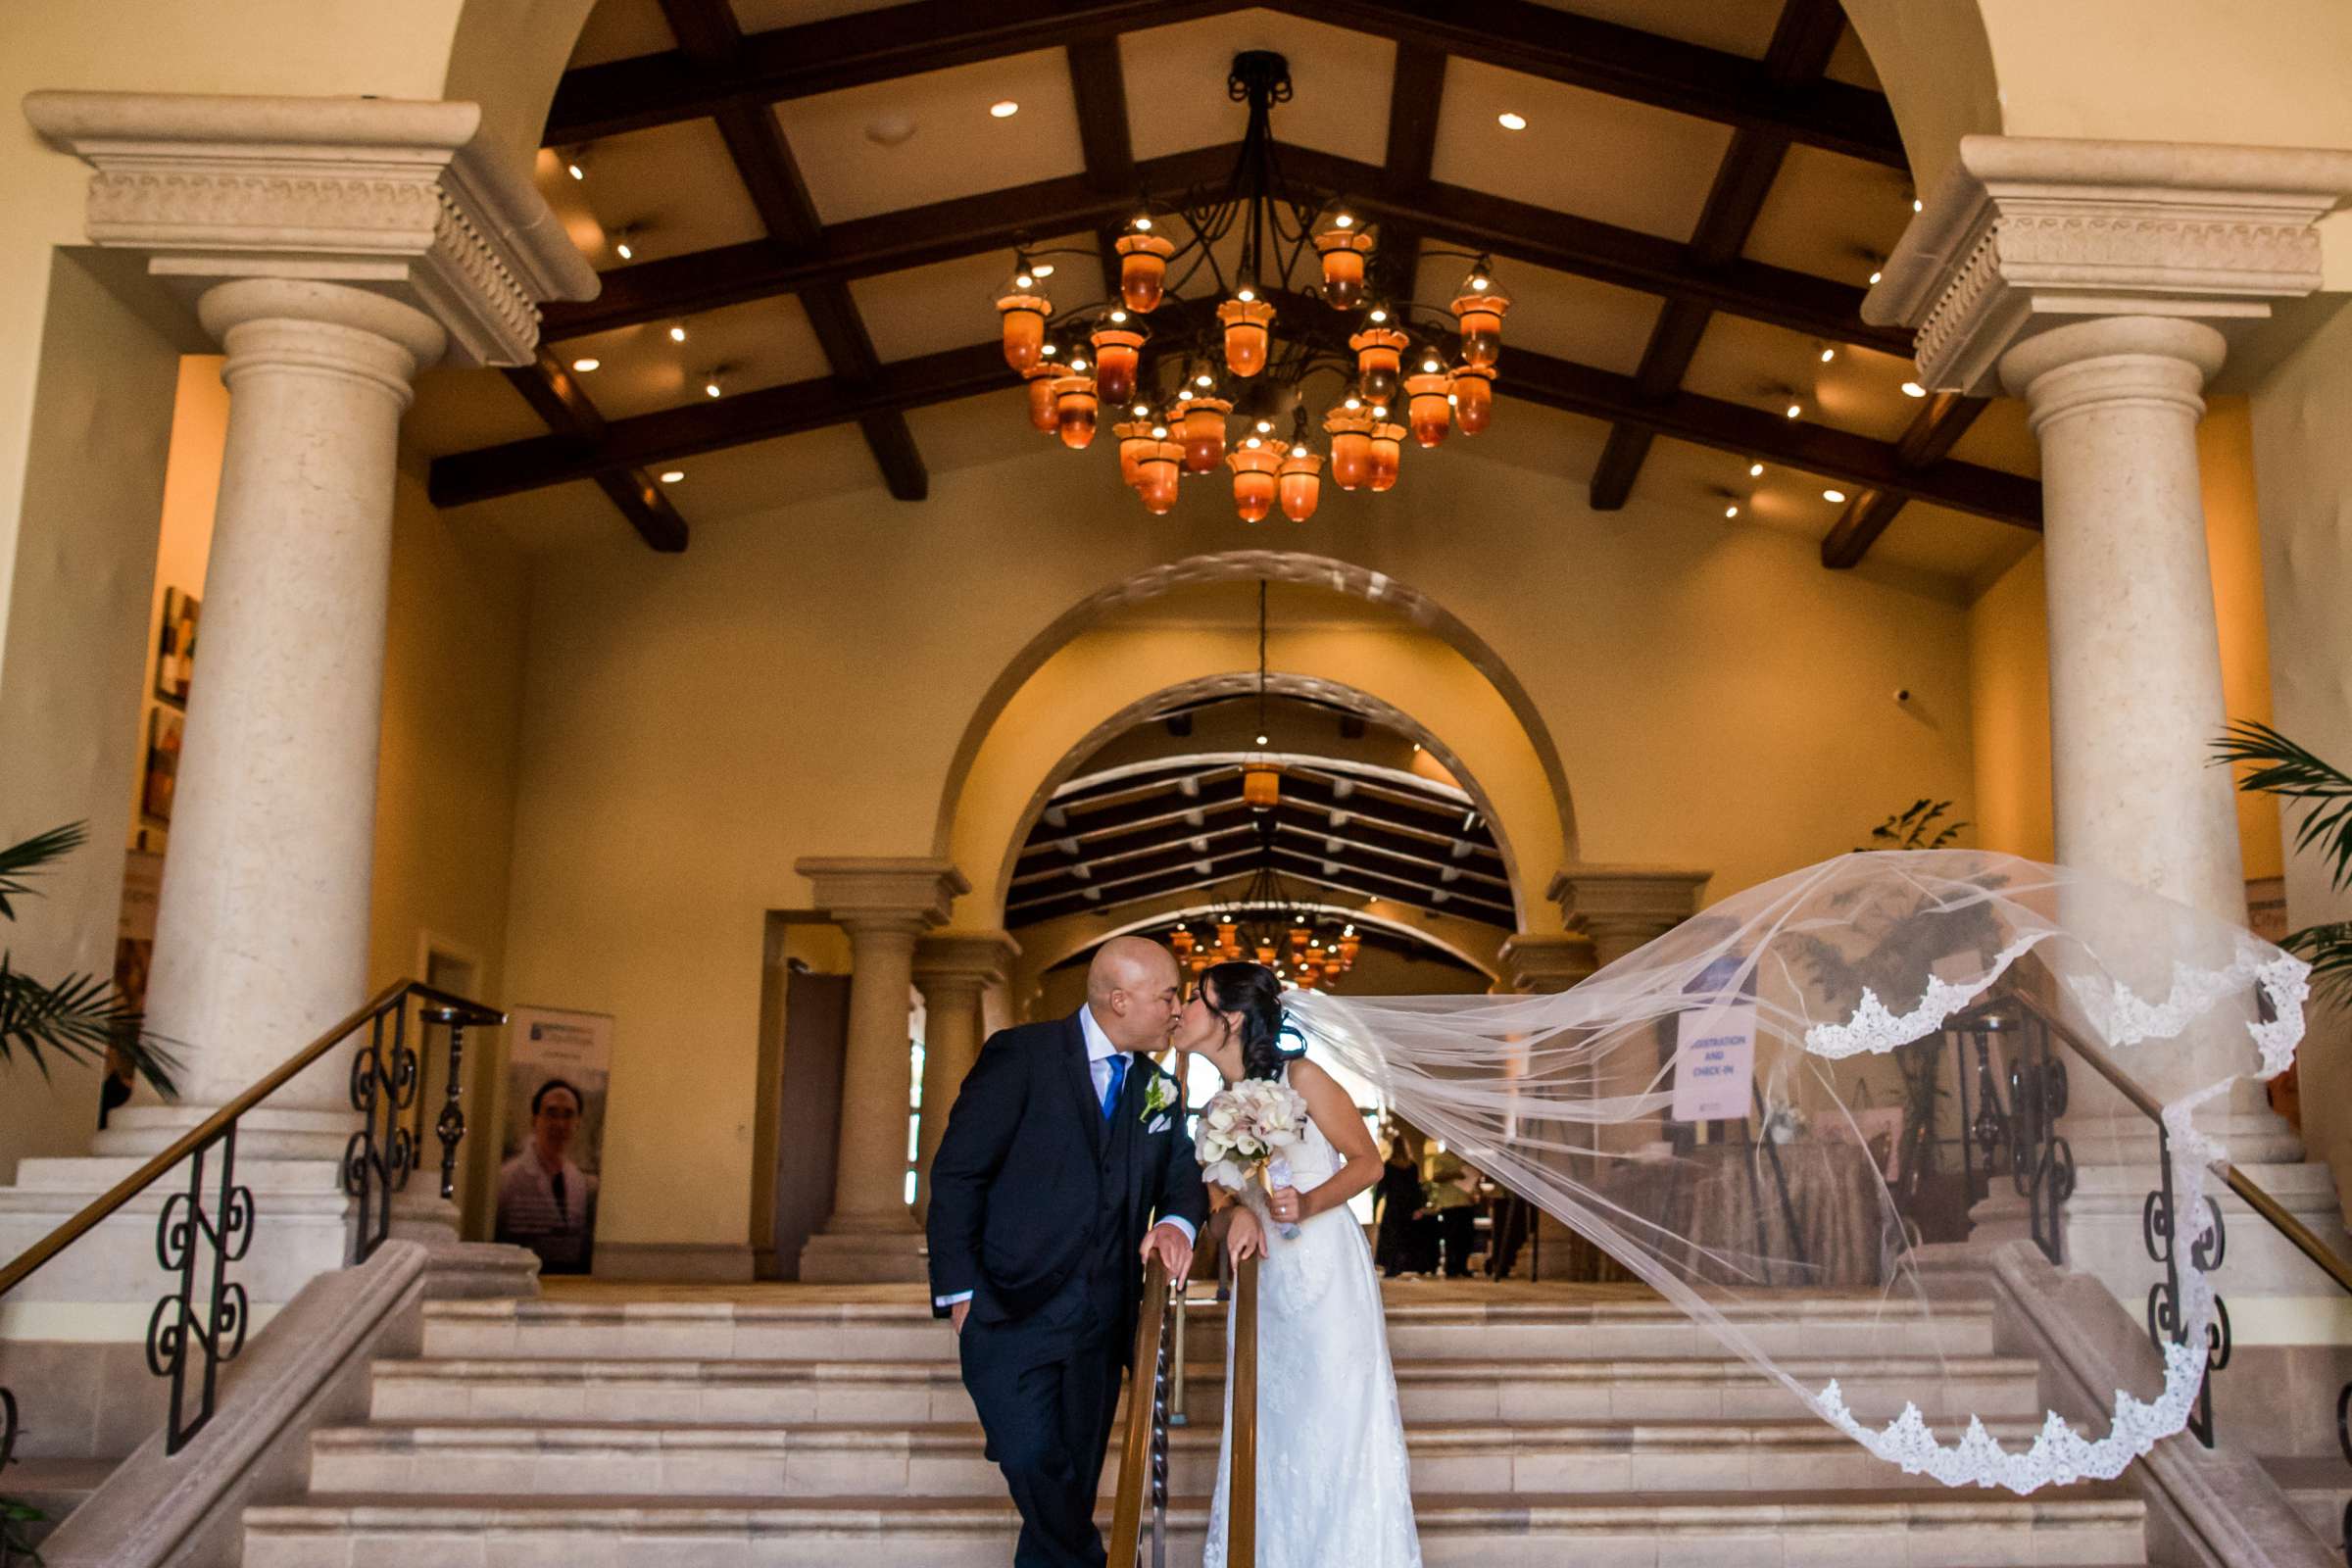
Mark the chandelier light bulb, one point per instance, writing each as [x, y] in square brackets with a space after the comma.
[1160, 432]
[1264, 426]
[1480, 283]
[1344, 221]
[1143, 226]
[1050, 349]
[1431, 366]
[1118, 317]
[1247, 295]
[1024, 281]
[1253, 443]
[1378, 315]
[1205, 379]
[1354, 402]
[1380, 411]
[1298, 451]
[1140, 409]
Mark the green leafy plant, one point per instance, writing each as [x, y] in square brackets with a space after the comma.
[16, 1540]
[2279, 767]
[1916, 828]
[80, 1017]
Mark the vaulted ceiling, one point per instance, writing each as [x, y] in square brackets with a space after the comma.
[817, 207]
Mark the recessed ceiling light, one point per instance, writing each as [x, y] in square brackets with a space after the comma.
[1794, 408]
[1731, 512]
[1512, 120]
[1912, 389]
[622, 249]
[1755, 470]
[673, 475]
[1827, 354]
[677, 334]
[710, 389]
[584, 366]
[1918, 206]
[1833, 495]
[1261, 740]
[574, 170]
[1876, 274]
[888, 131]
[1004, 109]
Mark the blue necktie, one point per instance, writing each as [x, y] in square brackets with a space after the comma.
[1118, 1076]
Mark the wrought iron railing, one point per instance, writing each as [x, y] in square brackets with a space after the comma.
[2024, 1134]
[199, 1324]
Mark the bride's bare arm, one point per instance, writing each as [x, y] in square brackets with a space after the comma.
[1336, 1114]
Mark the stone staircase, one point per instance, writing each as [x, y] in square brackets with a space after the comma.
[818, 1427]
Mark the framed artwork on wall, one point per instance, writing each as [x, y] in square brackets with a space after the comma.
[164, 727]
[176, 646]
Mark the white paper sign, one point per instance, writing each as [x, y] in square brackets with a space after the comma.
[1714, 1062]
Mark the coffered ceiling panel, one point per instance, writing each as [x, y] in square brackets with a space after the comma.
[1176, 85]
[737, 480]
[1830, 215]
[1735, 27]
[1558, 313]
[950, 304]
[460, 409]
[641, 369]
[1580, 152]
[1769, 368]
[662, 191]
[917, 139]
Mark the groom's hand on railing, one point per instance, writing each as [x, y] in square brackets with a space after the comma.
[1172, 1248]
[1245, 1240]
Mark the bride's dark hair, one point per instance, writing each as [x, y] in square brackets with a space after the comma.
[1251, 994]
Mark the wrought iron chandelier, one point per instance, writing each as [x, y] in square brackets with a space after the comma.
[1176, 370]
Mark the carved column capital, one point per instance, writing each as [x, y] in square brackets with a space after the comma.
[399, 198]
[1534, 962]
[2025, 233]
[873, 892]
[1623, 907]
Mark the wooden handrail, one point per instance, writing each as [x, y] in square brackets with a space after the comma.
[1134, 1449]
[1241, 1492]
[2299, 1235]
[23, 1266]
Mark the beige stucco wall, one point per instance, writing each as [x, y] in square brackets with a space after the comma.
[2300, 417]
[798, 682]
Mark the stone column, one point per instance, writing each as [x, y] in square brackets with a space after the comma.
[953, 969]
[333, 247]
[2103, 283]
[1623, 907]
[884, 905]
[1537, 964]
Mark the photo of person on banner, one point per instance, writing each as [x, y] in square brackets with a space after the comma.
[545, 1201]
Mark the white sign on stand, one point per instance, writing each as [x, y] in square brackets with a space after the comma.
[1714, 1062]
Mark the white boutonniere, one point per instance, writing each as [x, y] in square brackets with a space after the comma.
[1159, 1095]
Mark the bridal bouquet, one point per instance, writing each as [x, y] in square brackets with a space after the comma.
[1243, 1129]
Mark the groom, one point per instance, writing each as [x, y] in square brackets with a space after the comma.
[1064, 1144]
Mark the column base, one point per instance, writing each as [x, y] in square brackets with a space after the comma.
[2100, 1228]
[866, 1257]
[302, 1229]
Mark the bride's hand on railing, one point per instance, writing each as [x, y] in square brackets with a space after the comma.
[1246, 1238]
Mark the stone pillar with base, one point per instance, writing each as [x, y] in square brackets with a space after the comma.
[333, 247]
[2101, 283]
[884, 905]
[1543, 964]
[953, 969]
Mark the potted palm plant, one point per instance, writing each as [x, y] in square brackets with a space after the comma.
[2279, 767]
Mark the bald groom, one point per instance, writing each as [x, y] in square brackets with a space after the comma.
[1062, 1166]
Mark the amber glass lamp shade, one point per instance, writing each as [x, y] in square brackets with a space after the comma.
[1158, 475]
[1481, 317]
[1116, 350]
[1342, 251]
[1074, 410]
[1205, 433]
[1388, 452]
[1254, 471]
[1378, 352]
[1261, 787]
[1180, 942]
[1301, 486]
[1024, 324]
[1042, 415]
[1136, 443]
[1473, 397]
[1351, 432]
[1246, 323]
[1142, 270]
[1431, 414]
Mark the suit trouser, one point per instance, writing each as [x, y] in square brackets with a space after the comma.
[1047, 1388]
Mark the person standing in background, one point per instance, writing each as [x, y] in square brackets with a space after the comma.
[1402, 1201]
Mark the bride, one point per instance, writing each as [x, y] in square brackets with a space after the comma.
[1332, 1477]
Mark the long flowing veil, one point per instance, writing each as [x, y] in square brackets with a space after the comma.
[1768, 1099]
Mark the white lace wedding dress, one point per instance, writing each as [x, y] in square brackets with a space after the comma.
[1331, 1483]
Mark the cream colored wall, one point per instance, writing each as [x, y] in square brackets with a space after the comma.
[2009, 653]
[73, 651]
[2009, 699]
[798, 680]
[2300, 415]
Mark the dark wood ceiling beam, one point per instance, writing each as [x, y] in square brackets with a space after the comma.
[1137, 823]
[1802, 42]
[680, 285]
[1416, 96]
[901, 41]
[708, 35]
[1735, 427]
[1373, 882]
[1363, 834]
[1099, 88]
[556, 395]
[1939, 423]
[1624, 62]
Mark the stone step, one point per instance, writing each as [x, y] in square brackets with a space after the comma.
[1918, 1529]
[946, 1460]
[2321, 1489]
[905, 1331]
[54, 1486]
[864, 1392]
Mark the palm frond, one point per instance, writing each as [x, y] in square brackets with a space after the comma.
[2286, 769]
[77, 1019]
[18, 861]
[1911, 829]
[2328, 950]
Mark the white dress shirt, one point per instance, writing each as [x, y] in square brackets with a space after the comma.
[1099, 1051]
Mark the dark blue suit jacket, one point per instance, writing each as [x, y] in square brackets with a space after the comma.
[1029, 1160]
